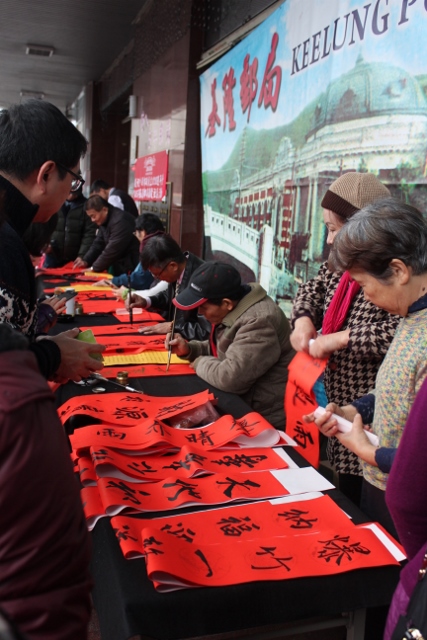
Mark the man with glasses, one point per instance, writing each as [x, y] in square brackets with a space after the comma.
[40, 155]
[165, 259]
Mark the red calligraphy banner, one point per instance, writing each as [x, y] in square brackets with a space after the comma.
[153, 435]
[176, 564]
[188, 463]
[129, 409]
[177, 493]
[132, 344]
[300, 400]
[257, 521]
[150, 370]
[122, 329]
[151, 174]
[66, 270]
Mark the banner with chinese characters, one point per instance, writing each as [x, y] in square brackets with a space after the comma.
[316, 90]
[151, 174]
[300, 400]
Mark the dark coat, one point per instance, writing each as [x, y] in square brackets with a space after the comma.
[188, 323]
[74, 232]
[115, 244]
[127, 201]
[18, 294]
[44, 545]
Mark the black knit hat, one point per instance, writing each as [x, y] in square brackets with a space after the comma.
[211, 280]
[353, 191]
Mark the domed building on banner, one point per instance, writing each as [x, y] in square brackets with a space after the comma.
[372, 118]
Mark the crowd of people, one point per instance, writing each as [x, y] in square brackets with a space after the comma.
[365, 311]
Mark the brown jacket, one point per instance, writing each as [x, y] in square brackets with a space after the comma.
[253, 355]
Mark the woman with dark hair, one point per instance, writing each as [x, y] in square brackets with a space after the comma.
[332, 319]
[384, 248]
[115, 247]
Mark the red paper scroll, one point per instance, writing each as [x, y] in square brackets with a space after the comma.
[129, 409]
[123, 329]
[150, 370]
[255, 521]
[300, 400]
[175, 564]
[188, 463]
[132, 344]
[176, 493]
[152, 435]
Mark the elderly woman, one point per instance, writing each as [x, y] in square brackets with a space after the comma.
[384, 248]
[353, 333]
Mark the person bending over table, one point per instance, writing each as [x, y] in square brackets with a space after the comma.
[248, 351]
[115, 247]
[165, 259]
[145, 225]
[384, 248]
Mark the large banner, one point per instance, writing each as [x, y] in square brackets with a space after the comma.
[318, 89]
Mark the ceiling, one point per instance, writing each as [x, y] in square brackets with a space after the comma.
[87, 36]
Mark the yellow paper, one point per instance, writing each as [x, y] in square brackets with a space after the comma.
[146, 357]
[105, 276]
[91, 287]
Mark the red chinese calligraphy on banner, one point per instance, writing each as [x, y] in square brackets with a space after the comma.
[300, 400]
[151, 174]
[174, 564]
[238, 522]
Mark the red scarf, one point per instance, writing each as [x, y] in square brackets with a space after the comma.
[338, 308]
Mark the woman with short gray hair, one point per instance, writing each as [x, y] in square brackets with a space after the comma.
[384, 248]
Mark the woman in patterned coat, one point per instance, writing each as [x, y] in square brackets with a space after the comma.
[331, 318]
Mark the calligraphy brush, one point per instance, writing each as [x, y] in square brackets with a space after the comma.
[170, 339]
[130, 300]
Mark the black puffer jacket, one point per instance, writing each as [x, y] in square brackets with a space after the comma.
[74, 232]
[115, 245]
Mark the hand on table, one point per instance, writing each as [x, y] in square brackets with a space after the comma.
[155, 329]
[179, 346]
[135, 301]
[76, 360]
[57, 304]
[304, 332]
[79, 263]
[105, 283]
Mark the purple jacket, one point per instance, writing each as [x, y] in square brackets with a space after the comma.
[44, 544]
[407, 489]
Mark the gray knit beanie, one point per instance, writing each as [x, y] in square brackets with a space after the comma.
[351, 192]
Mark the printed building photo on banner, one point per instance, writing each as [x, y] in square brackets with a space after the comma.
[317, 90]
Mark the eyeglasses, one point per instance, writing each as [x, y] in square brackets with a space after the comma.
[157, 275]
[78, 181]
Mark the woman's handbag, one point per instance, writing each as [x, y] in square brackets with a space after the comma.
[413, 626]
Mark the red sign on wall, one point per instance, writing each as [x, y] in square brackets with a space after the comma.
[151, 174]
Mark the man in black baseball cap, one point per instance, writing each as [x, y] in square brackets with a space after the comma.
[248, 351]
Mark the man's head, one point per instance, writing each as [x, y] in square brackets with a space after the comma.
[101, 188]
[163, 257]
[97, 209]
[146, 224]
[40, 153]
[215, 288]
